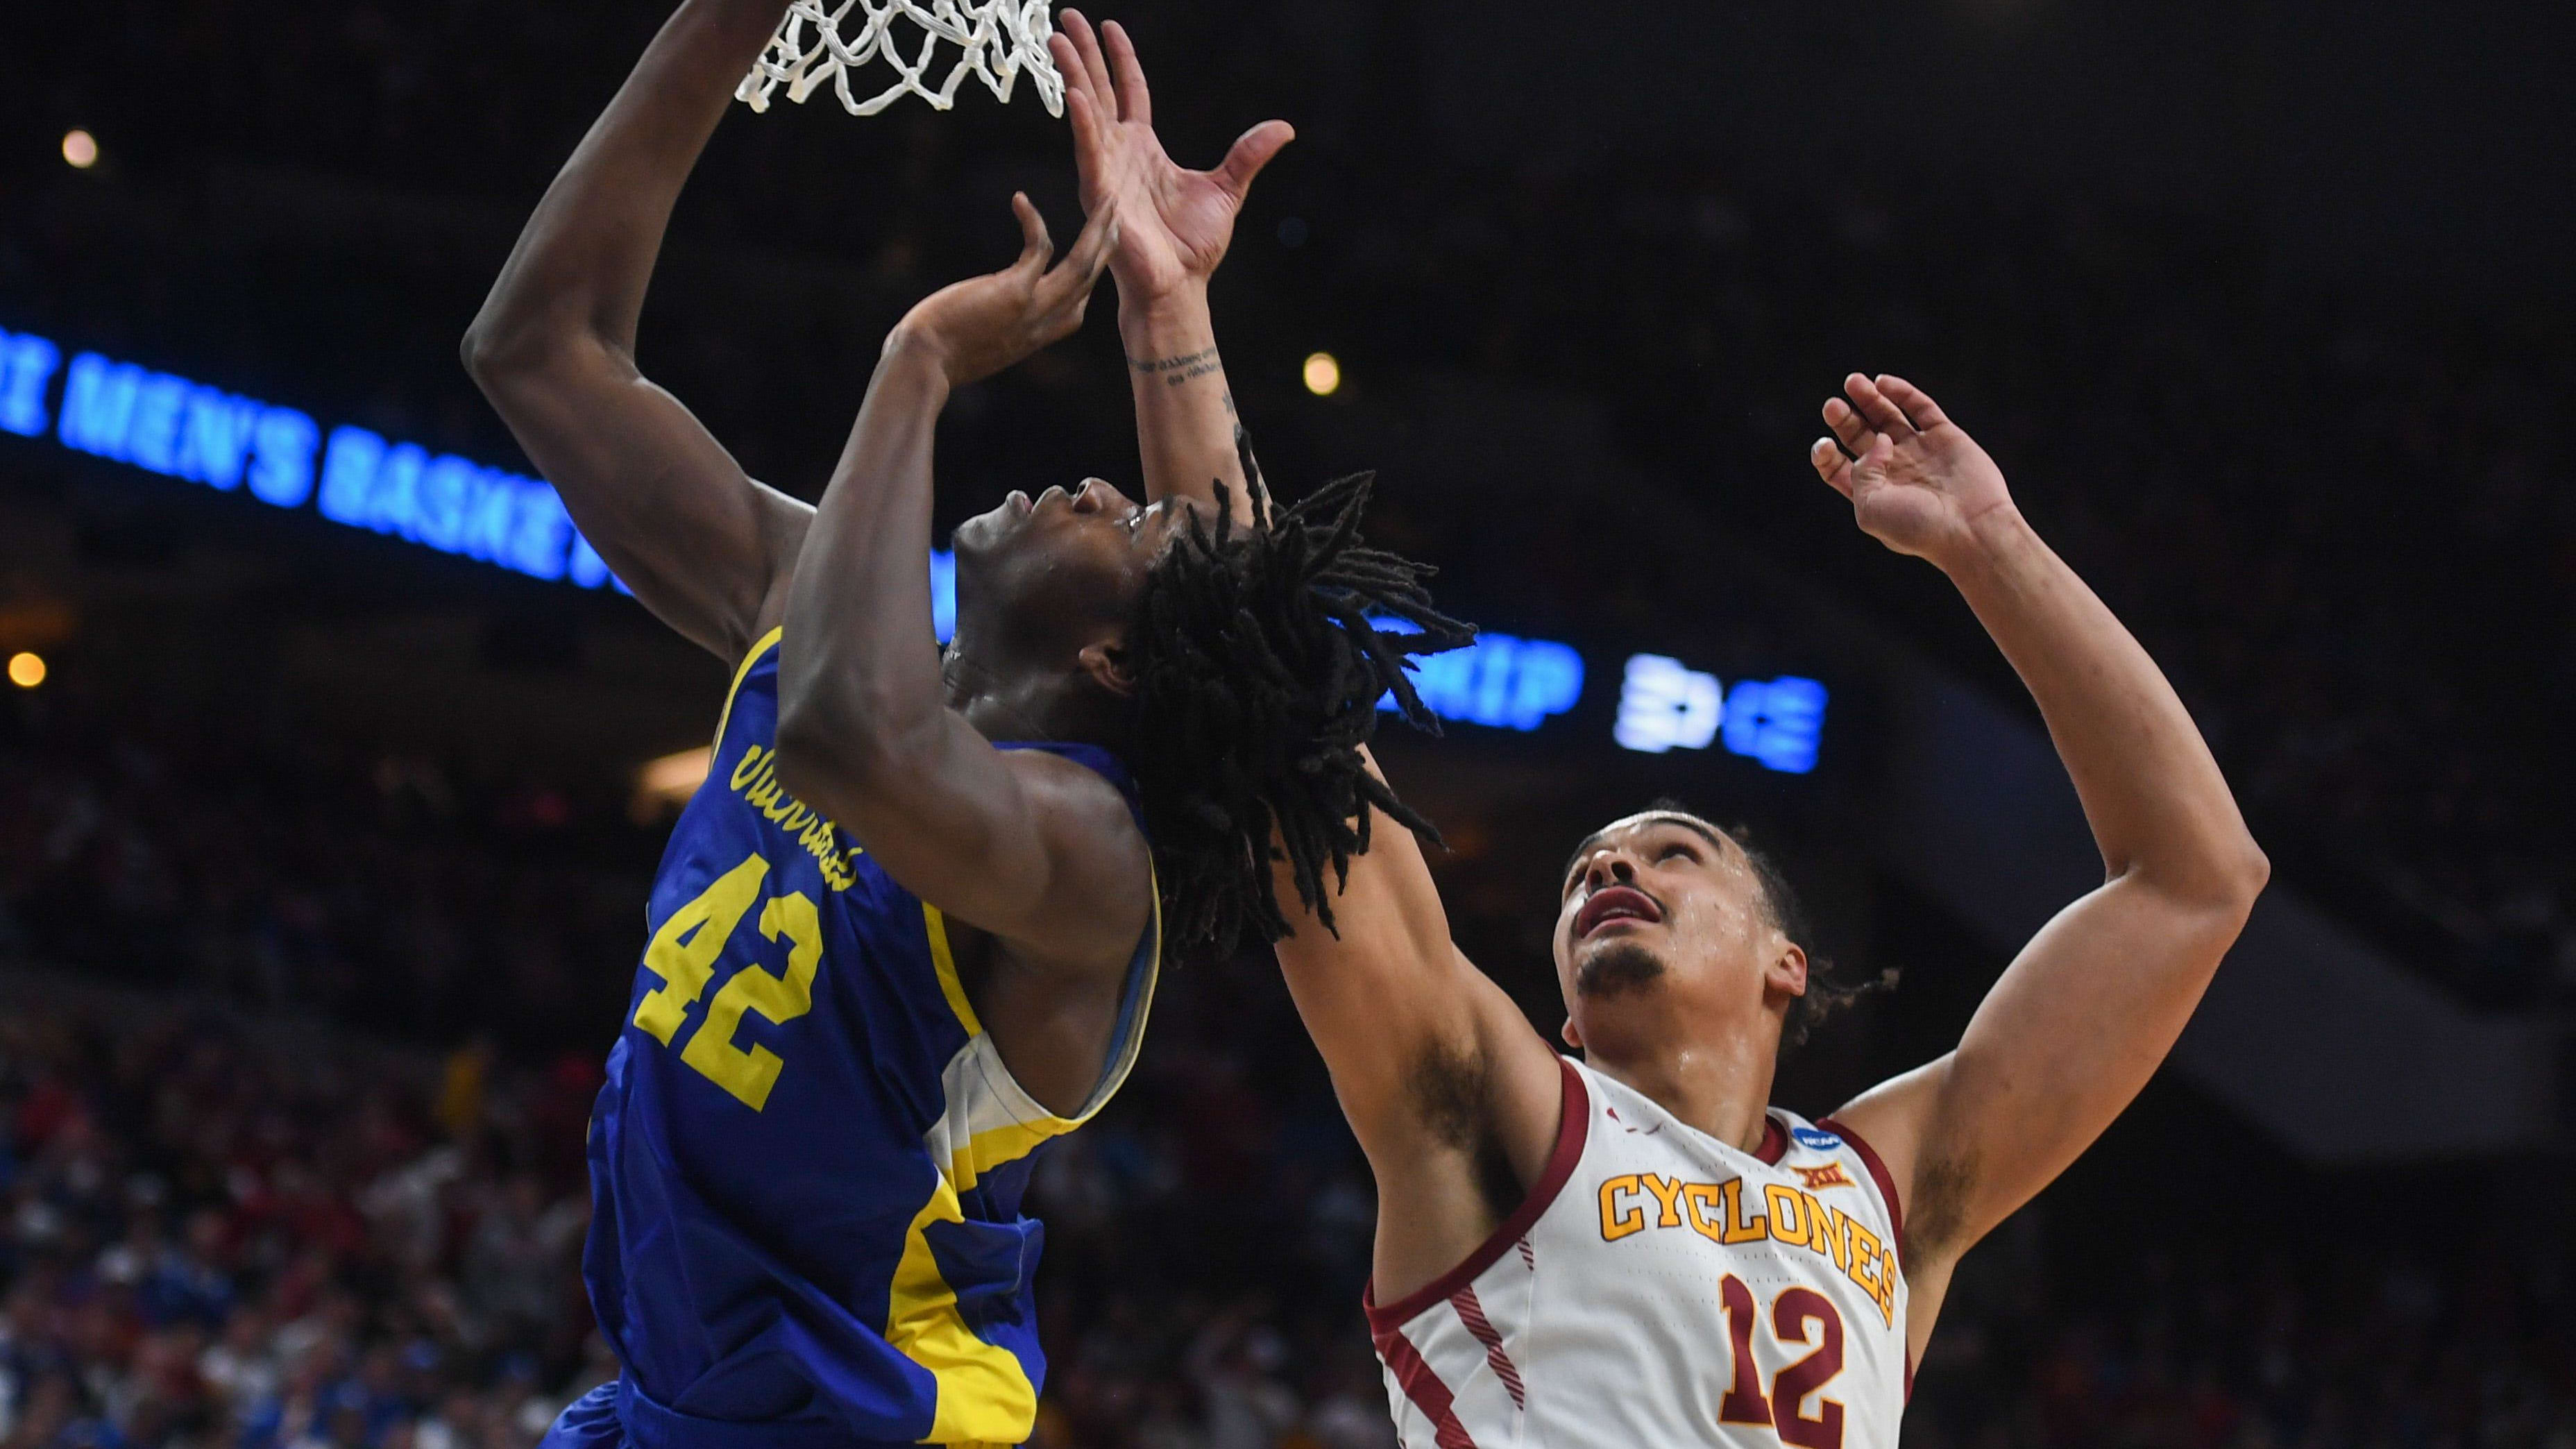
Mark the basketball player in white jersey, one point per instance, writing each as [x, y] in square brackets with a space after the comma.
[1635, 1248]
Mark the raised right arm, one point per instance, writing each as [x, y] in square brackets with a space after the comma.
[1441, 1076]
[706, 548]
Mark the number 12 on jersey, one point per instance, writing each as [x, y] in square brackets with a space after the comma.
[684, 952]
[1792, 1314]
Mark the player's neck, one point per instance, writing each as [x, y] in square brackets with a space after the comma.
[1020, 703]
[1719, 1085]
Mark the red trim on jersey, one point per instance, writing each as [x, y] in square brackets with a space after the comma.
[1775, 1142]
[1895, 1213]
[1573, 1124]
[1424, 1388]
[1877, 1174]
[1472, 1313]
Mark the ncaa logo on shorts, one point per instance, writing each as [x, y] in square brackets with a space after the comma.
[1815, 1139]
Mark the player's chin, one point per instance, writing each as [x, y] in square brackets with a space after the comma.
[985, 532]
[1606, 969]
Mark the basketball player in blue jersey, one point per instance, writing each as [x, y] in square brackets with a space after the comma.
[908, 929]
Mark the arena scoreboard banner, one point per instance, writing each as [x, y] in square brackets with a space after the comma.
[181, 429]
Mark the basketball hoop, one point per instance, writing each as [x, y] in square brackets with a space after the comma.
[997, 39]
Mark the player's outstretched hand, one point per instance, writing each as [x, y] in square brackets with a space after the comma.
[984, 324]
[1178, 223]
[1917, 482]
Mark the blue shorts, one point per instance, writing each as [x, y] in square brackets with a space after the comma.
[615, 1416]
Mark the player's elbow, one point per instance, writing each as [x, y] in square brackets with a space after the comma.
[828, 750]
[2218, 885]
[2237, 873]
[510, 343]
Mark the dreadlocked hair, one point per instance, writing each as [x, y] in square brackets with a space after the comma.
[1260, 653]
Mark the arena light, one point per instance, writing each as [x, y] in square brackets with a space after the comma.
[1666, 705]
[26, 669]
[1500, 681]
[80, 148]
[1323, 374]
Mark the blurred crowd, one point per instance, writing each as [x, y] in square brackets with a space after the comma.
[219, 1236]
[225, 1232]
[395, 894]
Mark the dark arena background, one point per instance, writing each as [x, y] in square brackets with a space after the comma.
[325, 833]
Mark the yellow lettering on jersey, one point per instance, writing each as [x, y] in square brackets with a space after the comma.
[1739, 1228]
[683, 952]
[750, 1074]
[1667, 1192]
[1886, 1294]
[1829, 1232]
[984, 1395]
[1704, 1208]
[1864, 1257]
[755, 779]
[1616, 1221]
[1788, 1213]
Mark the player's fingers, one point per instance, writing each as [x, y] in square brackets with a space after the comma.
[1251, 151]
[1088, 152]
[1095, 71]
[1068, 63]
[1135, 99]
[1849, 430]
[1875, 409]
[1919, 407]
[1035, 245]
[1831, 464]
[1083, 265]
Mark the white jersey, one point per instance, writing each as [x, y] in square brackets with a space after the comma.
[1662, 1288]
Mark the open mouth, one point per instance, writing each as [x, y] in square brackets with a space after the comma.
[1019, 503]
[1611, 904]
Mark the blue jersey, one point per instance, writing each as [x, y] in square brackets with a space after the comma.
[807, 1164]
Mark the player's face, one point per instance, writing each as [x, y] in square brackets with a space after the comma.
[1661, 921]
[1063, 558]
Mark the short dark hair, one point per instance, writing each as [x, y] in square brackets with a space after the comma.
[1259, 666]
[1827, 991]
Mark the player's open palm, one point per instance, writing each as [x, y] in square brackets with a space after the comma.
[1175, 224]
[984, 324]
[1918, 483]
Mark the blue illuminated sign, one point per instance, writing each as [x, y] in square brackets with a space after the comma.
[1666, 705]
[169, 425]
[166, 424]
[1500, 681]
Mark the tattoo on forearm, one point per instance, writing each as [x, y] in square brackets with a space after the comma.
[1177, 370]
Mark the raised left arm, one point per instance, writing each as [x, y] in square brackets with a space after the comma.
[2083, 1016]
[1175, 227]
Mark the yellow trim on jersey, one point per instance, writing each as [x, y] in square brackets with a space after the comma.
[944, 961]
[741, 673]
[983, 1396]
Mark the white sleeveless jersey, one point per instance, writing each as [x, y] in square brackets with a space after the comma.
[1662, 1288]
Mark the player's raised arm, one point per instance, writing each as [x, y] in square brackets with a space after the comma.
[1175, 227]
[1026, 845]
[702, 545]
[1439, 1073]
[2085, 1013]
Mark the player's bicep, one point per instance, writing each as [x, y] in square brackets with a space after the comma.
[702, 545]
[1024, 844]
[2065, 1040]
[1422, 1045]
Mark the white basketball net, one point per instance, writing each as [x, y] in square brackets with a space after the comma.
[820, 41]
